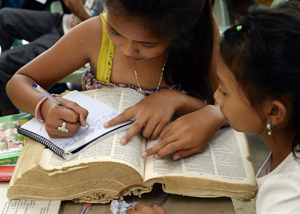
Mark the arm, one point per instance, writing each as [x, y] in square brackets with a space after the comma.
[189, 134]
[77, 7]
[69, 54]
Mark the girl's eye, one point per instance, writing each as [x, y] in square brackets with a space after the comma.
[114, 32]
[147, 46]
[222, 91]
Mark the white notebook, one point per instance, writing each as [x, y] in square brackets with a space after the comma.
[67, 148]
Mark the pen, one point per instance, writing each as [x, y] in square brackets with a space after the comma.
[50, 97]
[86, 208]
[160, 199]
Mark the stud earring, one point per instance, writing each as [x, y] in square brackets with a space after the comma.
[270, 127]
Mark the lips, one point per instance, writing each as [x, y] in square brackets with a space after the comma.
[131, 58]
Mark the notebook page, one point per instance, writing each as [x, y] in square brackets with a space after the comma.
[99, 113]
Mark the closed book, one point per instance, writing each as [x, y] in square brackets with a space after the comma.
[11, 142]
[6, 172]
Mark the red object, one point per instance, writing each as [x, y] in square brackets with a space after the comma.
[6, 172]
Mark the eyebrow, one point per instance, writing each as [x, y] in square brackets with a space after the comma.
[147, 43]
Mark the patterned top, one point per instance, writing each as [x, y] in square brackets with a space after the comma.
[90, 82]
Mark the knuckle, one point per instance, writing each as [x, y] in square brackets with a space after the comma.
[137, 125]
[126, 112]
[173, 146]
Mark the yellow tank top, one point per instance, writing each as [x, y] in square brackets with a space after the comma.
[106, 55]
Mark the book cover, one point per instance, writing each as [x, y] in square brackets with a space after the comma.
[11, 142]
[6, 171]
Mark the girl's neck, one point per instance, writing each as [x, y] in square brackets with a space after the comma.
[148, 71]
[279, 146]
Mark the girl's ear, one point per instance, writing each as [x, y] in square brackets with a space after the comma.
[277, 112]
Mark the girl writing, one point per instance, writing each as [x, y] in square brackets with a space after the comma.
[259, 93]
[146, 45]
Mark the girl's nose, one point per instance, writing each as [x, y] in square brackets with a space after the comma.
[217, 97]
[129, 48]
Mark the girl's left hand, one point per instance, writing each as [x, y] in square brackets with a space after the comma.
[188, 134]
[153, 113]
[143, 209]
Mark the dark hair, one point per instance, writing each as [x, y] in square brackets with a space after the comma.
[264, 58]
[190, 25]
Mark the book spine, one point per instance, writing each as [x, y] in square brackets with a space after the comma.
[5, 177]
[8, 160]
[6, 172]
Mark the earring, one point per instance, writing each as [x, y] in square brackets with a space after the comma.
[270, 127]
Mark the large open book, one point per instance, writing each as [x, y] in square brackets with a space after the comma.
[107, 170]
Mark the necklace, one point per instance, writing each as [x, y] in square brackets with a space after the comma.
[161, 75]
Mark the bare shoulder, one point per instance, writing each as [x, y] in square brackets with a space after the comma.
[84, 40]
[89, 32]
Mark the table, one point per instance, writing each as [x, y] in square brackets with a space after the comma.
[173, 204]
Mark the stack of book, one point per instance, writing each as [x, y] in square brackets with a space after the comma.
[11, 143]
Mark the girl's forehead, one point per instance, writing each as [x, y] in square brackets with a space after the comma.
[133, 29]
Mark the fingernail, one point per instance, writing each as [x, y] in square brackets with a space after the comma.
[144, 154]
[156, 156]
[158, 139]
[177, 157]
[106, 124]
[123, 141]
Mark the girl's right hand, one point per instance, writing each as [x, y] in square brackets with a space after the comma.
[55, 115]
[143, 209]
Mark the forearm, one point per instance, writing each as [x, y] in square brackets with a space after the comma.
[186, 104]
[23, 96]
[77, 8]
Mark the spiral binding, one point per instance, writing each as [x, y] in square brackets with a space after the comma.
[43, 141]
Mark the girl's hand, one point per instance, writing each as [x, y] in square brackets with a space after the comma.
[152, 113]
[55, 115]
[143, 209]
[188, 134]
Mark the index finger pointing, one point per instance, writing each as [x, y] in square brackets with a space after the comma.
[118, 119]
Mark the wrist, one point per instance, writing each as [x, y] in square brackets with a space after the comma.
[187, 104]
[38, 110]
[217, 114]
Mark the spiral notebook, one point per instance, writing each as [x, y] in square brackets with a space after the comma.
[68, 148]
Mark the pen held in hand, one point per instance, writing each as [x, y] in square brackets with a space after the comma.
[50, 97]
